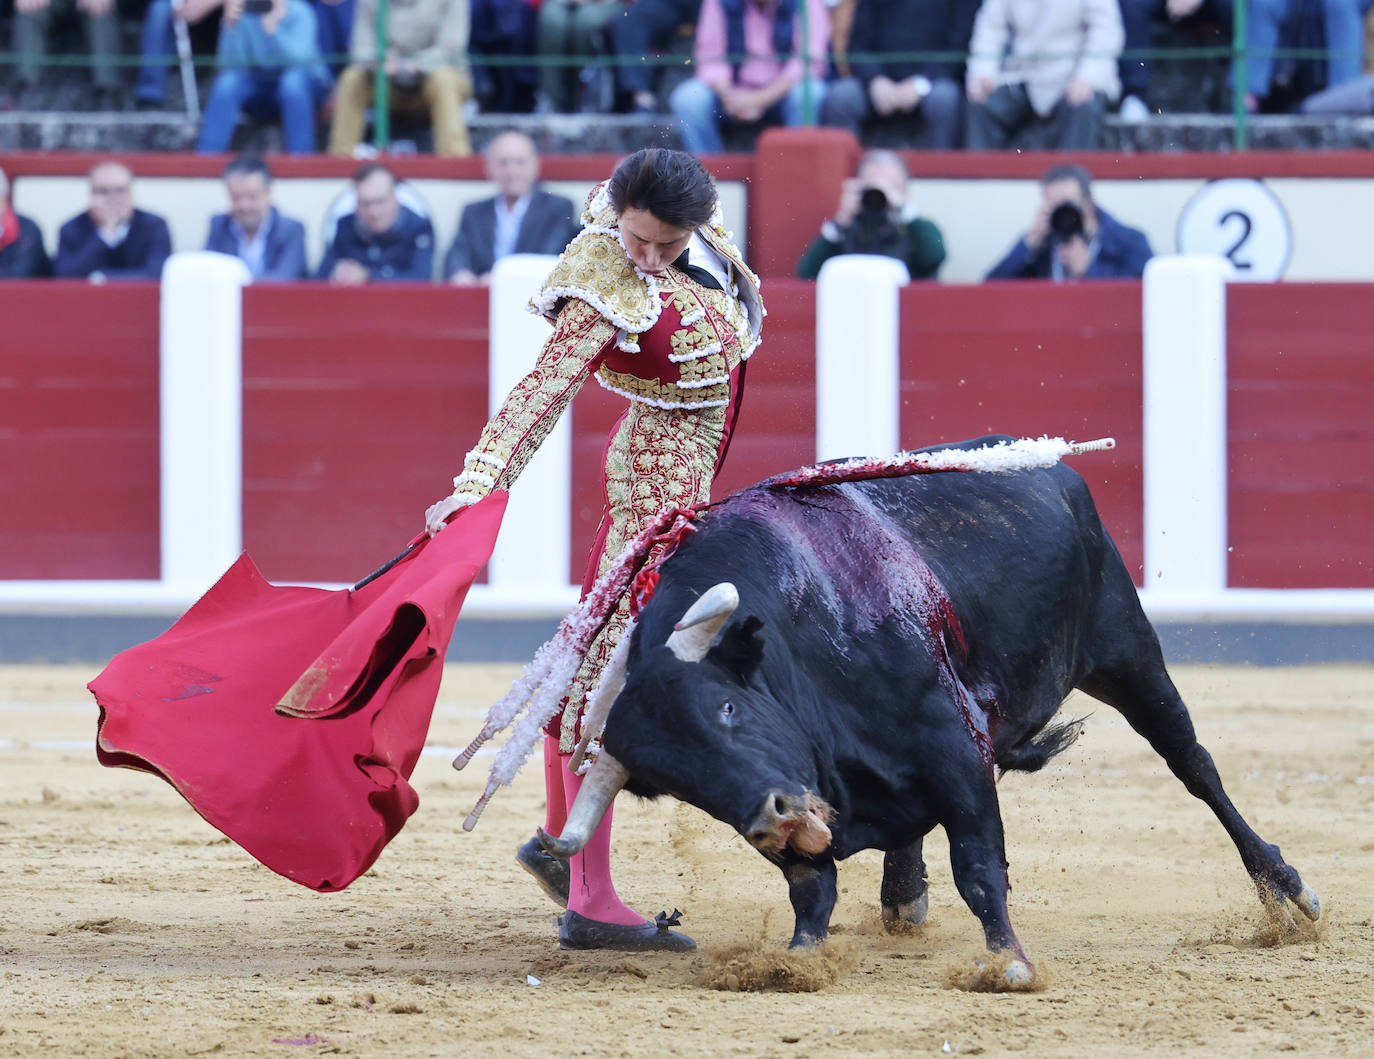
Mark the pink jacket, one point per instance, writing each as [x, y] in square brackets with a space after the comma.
[762, 66]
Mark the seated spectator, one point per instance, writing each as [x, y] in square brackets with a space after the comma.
[22, 255]
[1071, 237]
[875, 216]
[645, 27]
[335, 21]
[381, 240]
[1136, 17]
[100, 21]
[569, 28]
[521, 218]
[766, 87]
[1336, 24]
[427, 69]
[899, 94]
[158, 45]
[112, 239]
[269, 65]
[272, 246]
[504, 28]
[1050, 67]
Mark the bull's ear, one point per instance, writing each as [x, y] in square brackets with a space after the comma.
[741, 648]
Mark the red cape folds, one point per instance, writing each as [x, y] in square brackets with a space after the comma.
[292, 718]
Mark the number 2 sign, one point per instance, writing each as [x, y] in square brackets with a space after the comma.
[1240, 220]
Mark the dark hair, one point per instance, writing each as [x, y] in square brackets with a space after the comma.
[248, 165]
[1076, 173]
[369, 169]
[672, 185]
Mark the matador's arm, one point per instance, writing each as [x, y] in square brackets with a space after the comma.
[581, 337]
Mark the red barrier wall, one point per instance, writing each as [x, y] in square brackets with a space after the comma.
[1301, 436]
[358, 406]
[79, 431]
[1029, 358]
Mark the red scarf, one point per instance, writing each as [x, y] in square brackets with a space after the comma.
[9, 227]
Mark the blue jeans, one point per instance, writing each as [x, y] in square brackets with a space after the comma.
[1343, 21]
[293, 93]
[335, 22]
[158, 44]
[700, 116]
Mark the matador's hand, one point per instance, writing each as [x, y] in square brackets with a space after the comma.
[438, 513]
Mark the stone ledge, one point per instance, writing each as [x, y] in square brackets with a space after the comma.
[1216, 132]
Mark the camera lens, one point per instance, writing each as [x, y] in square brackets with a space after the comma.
[873, 199]
[1066, 220]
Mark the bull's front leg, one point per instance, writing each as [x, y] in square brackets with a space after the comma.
[811, 889]
[905, 897]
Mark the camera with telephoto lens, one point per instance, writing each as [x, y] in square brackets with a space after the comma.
[874, 231]
[1066, 221]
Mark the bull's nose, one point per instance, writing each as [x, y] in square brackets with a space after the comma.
[766, 826]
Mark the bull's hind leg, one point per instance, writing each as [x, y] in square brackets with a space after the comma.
[1145, 695]
[905, 897]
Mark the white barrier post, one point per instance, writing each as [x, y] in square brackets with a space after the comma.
[201, 399]
[533, 552]
[1184, 306]
[858, 376]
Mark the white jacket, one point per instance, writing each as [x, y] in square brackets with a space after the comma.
[1045, 44]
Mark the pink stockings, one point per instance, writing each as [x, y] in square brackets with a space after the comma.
[591, 892]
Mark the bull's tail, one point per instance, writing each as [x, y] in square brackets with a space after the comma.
[1032, 755]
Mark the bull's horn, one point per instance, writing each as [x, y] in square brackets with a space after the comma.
[599, 788]
[695, 630]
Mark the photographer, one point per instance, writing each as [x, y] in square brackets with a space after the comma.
[874, 217]
[1071, 237]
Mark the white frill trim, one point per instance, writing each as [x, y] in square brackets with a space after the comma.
[694, 318]
[477, 456]
[697, 384]
[465, 499]
[659, 402]
[599, 701]
[544, 301]
[474, 478]
[705, 351]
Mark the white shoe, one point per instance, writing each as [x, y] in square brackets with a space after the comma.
[1133, 110]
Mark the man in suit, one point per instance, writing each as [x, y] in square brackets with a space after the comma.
[112, 239]
[521, 219]
[272, 246]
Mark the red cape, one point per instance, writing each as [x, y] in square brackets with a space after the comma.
[292, 718]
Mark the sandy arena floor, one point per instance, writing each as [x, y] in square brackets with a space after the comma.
[130, 927]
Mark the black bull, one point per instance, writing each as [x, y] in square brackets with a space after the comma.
[895, 642]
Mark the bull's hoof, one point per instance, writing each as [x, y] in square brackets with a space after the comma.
[1018, 974]
[1309, 903]
[900, 918]
[549, 872]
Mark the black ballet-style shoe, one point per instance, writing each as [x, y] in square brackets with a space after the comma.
[576, 931]
[549, 872]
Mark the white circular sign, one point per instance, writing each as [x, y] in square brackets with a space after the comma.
[1243, 221]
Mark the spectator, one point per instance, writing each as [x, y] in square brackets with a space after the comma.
[896, 94]
[1291, 23]
[1071, 237]
[22, 255]
[504, 28]
[875, 216]
[272, 246]
[521, 218]
[1136, 16]
[100, 20]
[112, 239]
[647, 26]
[569, 28]
[158, 45]
[381, 240]
[766, 86]
[1049, 66]
[426, 64]
[269, 65]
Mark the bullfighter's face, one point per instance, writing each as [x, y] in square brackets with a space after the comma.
[651, 244]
